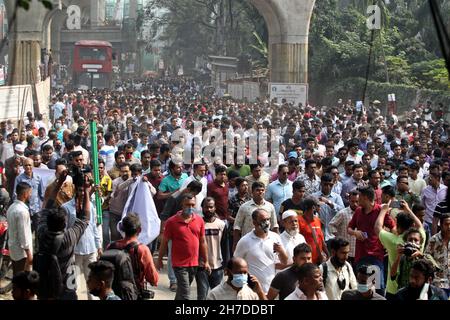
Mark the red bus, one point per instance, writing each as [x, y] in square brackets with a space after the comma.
[92, 64]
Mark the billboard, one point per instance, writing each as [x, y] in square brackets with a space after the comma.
[14, 100]
[293, 92]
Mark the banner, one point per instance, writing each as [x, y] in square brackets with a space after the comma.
[251, 91]
[13, 99]
[43, 97]
[235, 90]
[47, 175]
[293, 92]
[141, 203]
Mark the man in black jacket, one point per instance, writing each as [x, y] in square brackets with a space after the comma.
[54, 238]
[420, 287]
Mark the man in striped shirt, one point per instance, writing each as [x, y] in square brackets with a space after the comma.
[338, 225]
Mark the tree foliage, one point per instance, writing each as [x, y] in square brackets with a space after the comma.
[405, 51]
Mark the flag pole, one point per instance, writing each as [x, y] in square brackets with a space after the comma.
[94, 152]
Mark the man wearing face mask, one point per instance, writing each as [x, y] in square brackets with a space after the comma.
[237, 286]
[186, 230]
[365, 289]
[291, 237]
[337, 272]
[262, 249]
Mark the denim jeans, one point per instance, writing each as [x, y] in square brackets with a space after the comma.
[206, 282]
[105, 229]
[185, 276]
[170, 272]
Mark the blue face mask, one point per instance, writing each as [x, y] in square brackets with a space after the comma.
[239, 280]
[363, 288]
[189, 211]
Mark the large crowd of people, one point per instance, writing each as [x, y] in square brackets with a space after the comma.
[334, 203]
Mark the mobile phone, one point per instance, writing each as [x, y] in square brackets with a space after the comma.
[395, 204]
[365, 235]
[250, 282]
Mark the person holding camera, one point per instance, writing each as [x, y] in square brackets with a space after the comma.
[407, 253]
[57, 240]
[390, 240]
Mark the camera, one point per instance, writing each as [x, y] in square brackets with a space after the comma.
[409, 249]
[78, 175]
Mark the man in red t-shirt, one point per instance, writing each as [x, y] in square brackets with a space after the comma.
[187, 232]
[369, 250]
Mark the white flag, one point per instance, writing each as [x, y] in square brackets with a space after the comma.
[141, 203]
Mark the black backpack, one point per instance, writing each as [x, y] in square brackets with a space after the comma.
[125, 278]
[50, 276]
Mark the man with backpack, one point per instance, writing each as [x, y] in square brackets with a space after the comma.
[133, 262]
[337, 273]
[55, 260]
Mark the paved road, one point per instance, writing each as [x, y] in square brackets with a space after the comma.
[162, 292]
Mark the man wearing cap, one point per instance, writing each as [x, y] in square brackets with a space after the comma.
[291, 236]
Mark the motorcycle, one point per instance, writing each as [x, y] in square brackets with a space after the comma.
[6, 270]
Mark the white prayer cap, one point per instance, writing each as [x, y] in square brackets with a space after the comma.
[289, 213]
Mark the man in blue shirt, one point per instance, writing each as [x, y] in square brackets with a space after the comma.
[330, 203]
[37, 195]
[280, 189]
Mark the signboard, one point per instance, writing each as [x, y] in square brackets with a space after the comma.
[13, 99]
[251, 90]
[235, 90]
[293, 92]
[43, 97]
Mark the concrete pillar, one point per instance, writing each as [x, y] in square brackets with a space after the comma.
[25, 42]
[58, 21]
[288, 25]
[97, 13]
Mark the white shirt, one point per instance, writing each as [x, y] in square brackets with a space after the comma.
[202, 195]
[259, 255]
[107, 153]
[331, 286]
[225, 292]
[299, 295]
[289, 243]
[19, 230]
